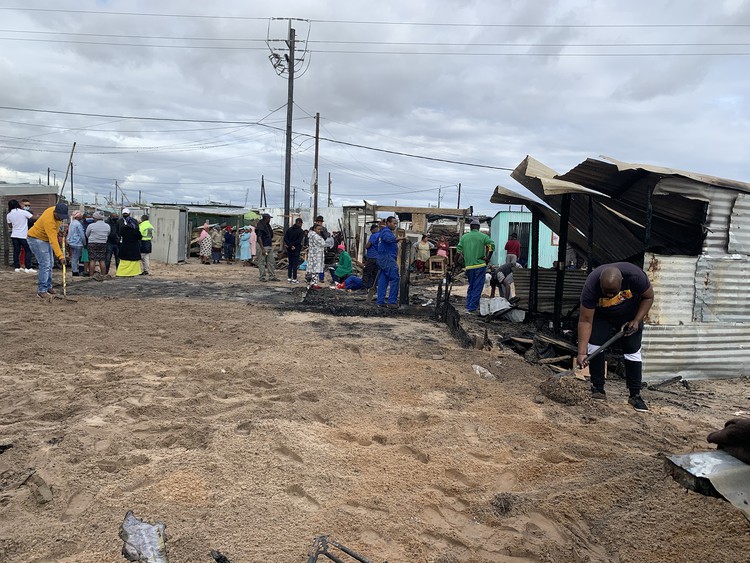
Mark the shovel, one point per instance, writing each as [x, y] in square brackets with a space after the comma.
[619, 334]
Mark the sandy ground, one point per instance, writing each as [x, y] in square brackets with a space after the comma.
[204, 399]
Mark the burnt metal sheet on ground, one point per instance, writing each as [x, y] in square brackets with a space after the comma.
[574, 281]
[721, 293]
[729, 476]
[696, 351]
[673, 280]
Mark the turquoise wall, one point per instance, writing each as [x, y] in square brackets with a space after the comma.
[499, 233]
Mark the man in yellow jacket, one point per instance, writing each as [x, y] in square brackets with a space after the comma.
[42, 239]
[147, 234]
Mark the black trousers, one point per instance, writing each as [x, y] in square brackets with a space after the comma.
[293, 265]
[19, 243]
[370, 273]
[602, 329]
[112, 250]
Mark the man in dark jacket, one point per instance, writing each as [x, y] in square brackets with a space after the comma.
[113, 242]
[266, 256]
[293, 240]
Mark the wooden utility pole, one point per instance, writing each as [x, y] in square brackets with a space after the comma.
[48, 175]
[69, 167]
[330, 202]
[71, 182]
[263, 200]
[458, 203]
[440, 195]
[289, 114]
[315, 185]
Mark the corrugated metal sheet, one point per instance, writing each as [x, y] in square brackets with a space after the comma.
[696, 351]
[721, 290]
[739, 226]
[574, 280]
[673, 280]
[719, 210]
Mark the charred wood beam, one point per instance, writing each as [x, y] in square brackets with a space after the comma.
[561, 253]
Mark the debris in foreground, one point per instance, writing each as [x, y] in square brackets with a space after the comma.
[321, 545]
[713, 473]
[143, 542]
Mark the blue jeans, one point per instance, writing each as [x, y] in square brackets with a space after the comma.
[476, 283]
[388, 281]
[75, 257]
[46, 259]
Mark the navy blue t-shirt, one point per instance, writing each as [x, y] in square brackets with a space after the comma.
[634, 283]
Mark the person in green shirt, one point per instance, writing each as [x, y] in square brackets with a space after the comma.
[476, 249]
[344, 267]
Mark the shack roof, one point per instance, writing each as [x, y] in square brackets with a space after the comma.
[620, 193]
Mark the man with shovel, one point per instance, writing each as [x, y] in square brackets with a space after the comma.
[614, 295]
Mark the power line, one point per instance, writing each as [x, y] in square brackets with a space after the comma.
[337, 42]
[381, 22]
[376, 149]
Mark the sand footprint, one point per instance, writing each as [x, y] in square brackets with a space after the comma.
[286, 452]
[77, 504]
[416, 454]
[302, 497]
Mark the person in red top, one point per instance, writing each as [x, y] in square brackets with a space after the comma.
[512, 249]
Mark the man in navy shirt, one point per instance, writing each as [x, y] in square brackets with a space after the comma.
[614, 295]
[388, 277]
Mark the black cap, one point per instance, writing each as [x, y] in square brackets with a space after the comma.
[61, 210]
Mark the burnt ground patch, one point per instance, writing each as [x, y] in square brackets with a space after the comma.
[147, 287]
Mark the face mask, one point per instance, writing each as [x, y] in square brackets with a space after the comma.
[27, 208]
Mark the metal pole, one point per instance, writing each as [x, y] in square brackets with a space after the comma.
[561, 252]
[458, 203]
[330, 203]
[289, 114]
[315, 186]
[71, 182]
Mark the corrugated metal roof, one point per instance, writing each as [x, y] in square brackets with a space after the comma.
[702, 178]
[676, 226]
[696, 351]
[673, 280]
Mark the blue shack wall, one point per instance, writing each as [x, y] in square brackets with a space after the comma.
[499, 232]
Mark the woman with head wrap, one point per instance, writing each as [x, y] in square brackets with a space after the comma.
[130, 249]
[76, 239]
[96, 235]
[204, 244]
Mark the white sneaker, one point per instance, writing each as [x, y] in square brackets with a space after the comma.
[19, 270]
[30, 271]
[295, 281]
[289, 280]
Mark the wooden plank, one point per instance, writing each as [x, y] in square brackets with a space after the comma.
[555, 360]
[424, 210]
[527, 341]
[558, 343]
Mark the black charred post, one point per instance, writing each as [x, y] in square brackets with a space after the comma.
[534, 277]
[590, 257]
[403, 290]
[561, 253]
[649, 218]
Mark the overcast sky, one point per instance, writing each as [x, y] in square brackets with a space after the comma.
[478, 82]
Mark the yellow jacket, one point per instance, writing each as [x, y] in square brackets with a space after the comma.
[46, 229]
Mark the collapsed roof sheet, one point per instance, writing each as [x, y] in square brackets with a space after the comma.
[620, 200]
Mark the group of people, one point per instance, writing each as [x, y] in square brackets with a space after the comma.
[87, 234]
[228, 243]
[101, 238]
